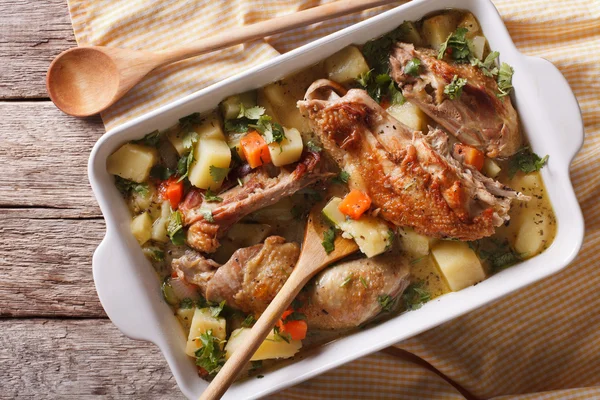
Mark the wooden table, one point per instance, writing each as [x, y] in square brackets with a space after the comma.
[55, 339]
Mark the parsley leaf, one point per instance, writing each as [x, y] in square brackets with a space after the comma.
[210, 197]
[294, 316]
[186, 122]
[279, 335]
[186, 303]
[328, 240]
[415, 296]
[218, 174]
[277, 132]
[249, 321]
[396, 96]
[125, 186]
[210, 356]
[183, 165]
[363, 282]
[347, 280]
[377, 51]
[215, 311]
[150, 139]
[207, 215]
[412, 67]
[342, 177]
[312, 146]
[386, 302]
[189, 139]
[454, 88]
[456, 46]
[488, 66]
[155, 253]
[527, 161]
[175, 228]
[380, 86]
[505, 80]
[239, 125]
[364, 78]
[251, 113]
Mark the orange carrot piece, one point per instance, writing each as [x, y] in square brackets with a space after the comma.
[297, 329]
[355, 204]
[172, 190]
[472, 156]
[255, 149]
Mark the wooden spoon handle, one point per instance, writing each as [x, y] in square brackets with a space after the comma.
[298, 278]
[266, 28]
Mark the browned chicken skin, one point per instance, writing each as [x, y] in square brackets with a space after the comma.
[259, 190]
[411, 178]
[478, 117]
[253, 276]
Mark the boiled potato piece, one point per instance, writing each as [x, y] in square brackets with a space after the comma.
[436, 29]
[371, 234]
[409, 114]
[458, 264]
[289, 150]
[284, 106]
[209, 153]
[490, 168]
[470, 23]
[141, 227]
[233, 141]
[529, 184]
[132, 161]
[410, 33]
[210, 128]
[346, 65]
[185, 316]
[230, 107]
[265, 103]
[201, 323]
[139, 202]
[269, 349]
[175, 136]
[533, 233]
[159, 227]
[413, 243]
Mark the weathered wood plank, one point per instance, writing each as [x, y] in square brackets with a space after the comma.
[46, 263]
[44, 156]
[79, 359]
[31, 35]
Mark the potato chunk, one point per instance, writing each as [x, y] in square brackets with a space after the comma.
[132, 161]
[346, 65]
[409, 114]
[469, 22]
[210, 128]
[289, 150]
[533, 233]
[141, 227]
[413, 243]
[209, 153]
[185, 316]
[269, 349]
[201, 323]
[230, 107]
[458, 264]
[436, 29]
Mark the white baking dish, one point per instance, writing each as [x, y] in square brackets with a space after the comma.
[128, 287]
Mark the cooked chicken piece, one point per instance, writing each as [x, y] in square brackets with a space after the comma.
[478, 117]
[259, 189]
[252, 277]
[329, 305]
[411, 178]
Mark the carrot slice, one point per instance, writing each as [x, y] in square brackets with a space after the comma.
[255, 149]
[172, 190]
[472, 156]
[355, 204]
[297, 328]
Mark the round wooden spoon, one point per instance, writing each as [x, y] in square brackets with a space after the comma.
[86, 80]
[313, 259]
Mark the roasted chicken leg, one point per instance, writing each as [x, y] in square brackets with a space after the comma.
[411, 178]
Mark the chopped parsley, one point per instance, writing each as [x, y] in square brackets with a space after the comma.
[294, 316]
[363, 282]
[454, 88]
[218, 174]
[210, 197]
[342, 177]
[377, 51]
[391, 239]
[186, 122]
[150, 139]
[187, 303]
[415, 296]
[189, 139]
[271, 130]
[279, 336]
[183, 165]
[456, 46]
[526, 161]
[155, 253]
[328, 240]
[210, 356]
[380, 86]
[386, 302]
[249, 321]
[312, 146]
[412, 67]
[175, 228]
[239, 125]
[505, 80]
[250, 113]
[347, 280]
[488, 66]
[207, 215]
[125, 186]
[215, 311]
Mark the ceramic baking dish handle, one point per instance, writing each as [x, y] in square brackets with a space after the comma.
[555, 96]
[116, 292]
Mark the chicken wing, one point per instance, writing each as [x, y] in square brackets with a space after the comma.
[478, 117]
[411, 178]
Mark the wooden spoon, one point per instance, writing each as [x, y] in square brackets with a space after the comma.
[86, 80]
[313, 259]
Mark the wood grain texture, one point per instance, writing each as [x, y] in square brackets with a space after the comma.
[44, 156]
[46, 263]
[79, 359]
[31, 35]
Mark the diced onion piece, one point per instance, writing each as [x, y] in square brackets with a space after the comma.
[132, 161]
[346, 65]
[270, 348]
[141, 227]
[458, 264]
[289, 150]
[202, 322]
[332, 212]
[478, 46]
[209, 153]
[409, 114]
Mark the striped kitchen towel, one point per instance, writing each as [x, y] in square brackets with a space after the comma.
[542, 342]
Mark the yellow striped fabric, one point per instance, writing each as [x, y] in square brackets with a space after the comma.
[542, 342]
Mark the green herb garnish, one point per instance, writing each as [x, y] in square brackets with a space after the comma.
[239, 125]
[294, 316]
[454, 88]
[210, 356]
[328, 240]
[218, 174]
[126, 187]
[175, 228]
[185, 123]
[386, 302]
[527, 161]
[215, 311]
[251, 113]
[184, 164]
[364, 282]
[488, 66]
[249, 321]
[341, 178]
[312, 146]
[210, 197]
[187, 303]
[412, 67]
[505, 80]
[456, 46]
[415, 296]
[161, 172]
[150, 139]
[207, 215]
[279, 335]
[347, 280]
